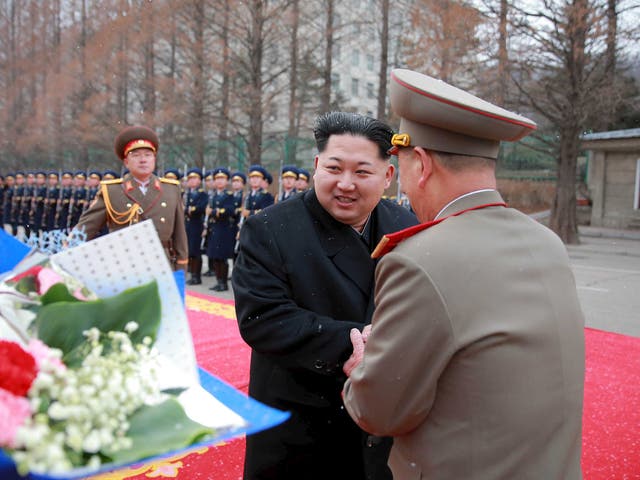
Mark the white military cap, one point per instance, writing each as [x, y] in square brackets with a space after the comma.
[441, 117]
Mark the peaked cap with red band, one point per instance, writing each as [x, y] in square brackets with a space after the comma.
[441, 117]
[134, 137]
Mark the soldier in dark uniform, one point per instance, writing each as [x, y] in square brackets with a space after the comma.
[172, 174]
[63, 207]
[48, 220]
[140, 195]
[16, 202]
[302, 184]
[78, 198]
[24, 217]
[238, 181]
[37, 203]
[3, 189]
[257, 198]
[288, 178]
[210, 188]
[93, 186]
[221, 218]
[7, 208]
[196, 201]
[110, 175]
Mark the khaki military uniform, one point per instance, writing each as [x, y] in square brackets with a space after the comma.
[120, 203]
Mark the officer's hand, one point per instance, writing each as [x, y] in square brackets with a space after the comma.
[358, 351]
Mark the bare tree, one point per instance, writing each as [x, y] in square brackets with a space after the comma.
[384, 61]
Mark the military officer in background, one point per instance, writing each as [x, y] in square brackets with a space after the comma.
[2, 191]
[196, 201]
[110, 175]
[172, 174]
[63, 209]
[302, 183]
[288, 179]
[221, 229]
[257, 198]
[210, 188]
[139, 196]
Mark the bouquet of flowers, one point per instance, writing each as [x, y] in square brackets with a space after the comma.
[98, 368]
[80, 377]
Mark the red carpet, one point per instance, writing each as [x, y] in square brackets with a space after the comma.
[611, 432]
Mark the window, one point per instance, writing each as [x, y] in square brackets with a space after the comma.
[370, 63]
[355, 58]
[354, 87]
[335, 82]
[370, 91]
[636, 197]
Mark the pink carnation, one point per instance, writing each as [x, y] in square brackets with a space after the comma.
[46, 279]
[14, 411]
[42, 353]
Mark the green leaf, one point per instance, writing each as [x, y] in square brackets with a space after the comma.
[159, 429]
[60, 324]
[57, 293]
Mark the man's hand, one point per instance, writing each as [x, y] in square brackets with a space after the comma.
[357, 340]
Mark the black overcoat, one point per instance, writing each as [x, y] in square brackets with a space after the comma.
[301, 281]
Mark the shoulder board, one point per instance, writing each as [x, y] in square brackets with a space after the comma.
[171, 181]
[111, 182]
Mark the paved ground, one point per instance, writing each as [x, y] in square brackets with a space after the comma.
[606, 265]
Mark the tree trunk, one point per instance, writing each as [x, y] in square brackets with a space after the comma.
[563, 213]
[226, 85]
[292, 132]
[325, 94]
[503, 59]
[256, 110]
[199, 87]
[384, 62]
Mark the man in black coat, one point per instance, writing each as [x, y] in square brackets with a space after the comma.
[302, 280]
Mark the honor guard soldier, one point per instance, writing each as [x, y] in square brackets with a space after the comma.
[196, 201]
[79, 198]
[221, 228]
[302, 184]
[16, 201]
[2, 191]
[48, 221]
[93, 181]
[257, 198]
[210, 188]
[110, 175]
[140, 195]
[288, 178]
[9, 184]
[27, 200]
[63, 209]
[172, 174]
[37, 203]
[238, 181]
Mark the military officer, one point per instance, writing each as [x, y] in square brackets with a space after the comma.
[64, 201]
[288, 178]
[222, 228]
[196, 200]
[139, 196]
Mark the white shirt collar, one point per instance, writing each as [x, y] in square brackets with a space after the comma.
[462, 196]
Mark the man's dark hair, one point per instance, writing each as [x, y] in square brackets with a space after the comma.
[338, 123]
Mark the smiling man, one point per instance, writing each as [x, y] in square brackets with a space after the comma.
[303, 278]
[139, 196]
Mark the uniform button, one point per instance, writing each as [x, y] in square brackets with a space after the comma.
[162, 219]
[320, 364]
[128, 205]
[163, 204]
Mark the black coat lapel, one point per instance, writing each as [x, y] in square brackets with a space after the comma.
[337, 240]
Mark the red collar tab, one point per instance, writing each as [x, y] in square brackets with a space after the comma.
[390, 241]
[128, 186]
[157, 185]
